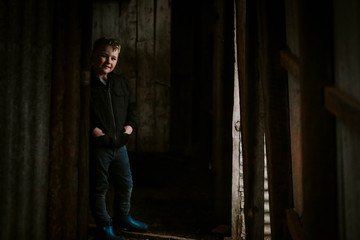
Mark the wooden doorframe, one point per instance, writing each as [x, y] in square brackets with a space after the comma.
[264, 110]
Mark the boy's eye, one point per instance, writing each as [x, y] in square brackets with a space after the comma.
[114, 59]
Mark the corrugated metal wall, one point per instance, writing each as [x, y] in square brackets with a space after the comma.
[44, 47]
[25, 74]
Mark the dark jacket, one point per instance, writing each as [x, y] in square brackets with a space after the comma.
[112, 106]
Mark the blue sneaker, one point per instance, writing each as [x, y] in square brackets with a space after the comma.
[107, 233]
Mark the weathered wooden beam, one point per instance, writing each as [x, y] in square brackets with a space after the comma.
[252, 122]
[290, 62]
[343, 106]
[295, 104]
[294, 225]
[237, 201]
[274, 79]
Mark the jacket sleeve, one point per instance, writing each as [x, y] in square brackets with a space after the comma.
[93, 124]
[94, 120]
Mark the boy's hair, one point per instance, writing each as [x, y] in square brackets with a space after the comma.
[104, 41]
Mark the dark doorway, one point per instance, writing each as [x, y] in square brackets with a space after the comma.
[176, 191]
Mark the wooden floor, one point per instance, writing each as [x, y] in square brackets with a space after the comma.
[173, 195]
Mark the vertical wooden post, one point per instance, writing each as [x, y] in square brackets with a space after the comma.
[252, 129]
[237, 201]
[223, 81]
[271, 37]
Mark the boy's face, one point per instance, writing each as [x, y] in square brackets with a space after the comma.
[104, 60]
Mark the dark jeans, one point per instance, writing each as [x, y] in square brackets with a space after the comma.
[109, 165]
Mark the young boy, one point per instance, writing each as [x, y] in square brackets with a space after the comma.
[113, 118]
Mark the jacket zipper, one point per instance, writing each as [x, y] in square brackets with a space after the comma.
[112, 111]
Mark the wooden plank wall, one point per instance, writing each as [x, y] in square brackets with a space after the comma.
[264, 96]
[343, 101]
[313, 184]
[294, 114]
[308, 62]
[143, 28]
[153, 83]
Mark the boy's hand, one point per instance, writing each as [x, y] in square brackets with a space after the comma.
[128, 129]
[97, 132]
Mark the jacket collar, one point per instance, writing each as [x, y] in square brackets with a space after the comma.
[96, 80]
